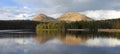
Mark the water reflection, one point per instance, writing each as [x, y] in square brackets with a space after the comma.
[77, 38]
[62, 43]
[68, 40]
[72, 40]
[103, 42]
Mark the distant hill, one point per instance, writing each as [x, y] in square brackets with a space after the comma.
[69, 16]
[43, 18]
[73, 16]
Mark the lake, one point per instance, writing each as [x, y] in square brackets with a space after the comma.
[52, 42]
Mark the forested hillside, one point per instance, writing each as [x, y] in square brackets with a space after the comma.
[17, 24]
[91, 25]
[27, 24]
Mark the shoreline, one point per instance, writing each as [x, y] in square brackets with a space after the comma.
[99, 30]
[108, 30]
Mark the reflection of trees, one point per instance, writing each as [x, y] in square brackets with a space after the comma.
[46, 35]
[50, 33]
[117, 35]
[72, 37]
[68, 39]
[86, 34]
[15, 35]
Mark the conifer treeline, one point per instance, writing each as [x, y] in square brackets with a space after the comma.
[17, 24]
[91, 25]
[27, 24]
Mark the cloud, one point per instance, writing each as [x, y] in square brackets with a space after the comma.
[55, 15]
[29, 46]
[26, 13]
[99, 9]
[96, 14]
[55, 46]
[102, 14]
[10, 13]
[60, 6]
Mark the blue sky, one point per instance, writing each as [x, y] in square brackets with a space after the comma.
[8, 3]
[27, 9]
[14, 3]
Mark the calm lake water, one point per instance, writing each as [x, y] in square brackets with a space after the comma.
[52, 42]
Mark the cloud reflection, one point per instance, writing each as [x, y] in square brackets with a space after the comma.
[56, 46]
[103, 42]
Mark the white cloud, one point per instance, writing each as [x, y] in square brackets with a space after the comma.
[60, 6]
[97, 14]
[10, 13]
[14, 13]
[21, 16]
[25, 7]
[101, 9]
[55, 15]
[103, 14]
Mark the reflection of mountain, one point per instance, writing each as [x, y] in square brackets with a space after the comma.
[68, 39]
[30, 46]
[41, 39]
[72, 40]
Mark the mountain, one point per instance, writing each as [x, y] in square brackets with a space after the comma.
[43, 18]
[73, 16]
[68, 17]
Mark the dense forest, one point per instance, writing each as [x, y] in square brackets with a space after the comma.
[17, 24]
[90, 25]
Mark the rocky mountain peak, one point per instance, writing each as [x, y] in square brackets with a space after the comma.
[73, 16]
[68, 17]
[43, 18]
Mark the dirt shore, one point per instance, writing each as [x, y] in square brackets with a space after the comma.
[109, 30]
[99, 30]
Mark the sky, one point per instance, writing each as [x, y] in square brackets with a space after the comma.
[27, 9]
